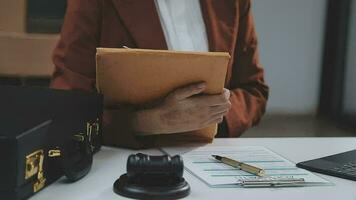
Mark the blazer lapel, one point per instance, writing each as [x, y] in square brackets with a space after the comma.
[142, 21]
[221, 22]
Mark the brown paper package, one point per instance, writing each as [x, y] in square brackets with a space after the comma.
[139, 77]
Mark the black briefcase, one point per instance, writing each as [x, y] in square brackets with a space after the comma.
[45, 134]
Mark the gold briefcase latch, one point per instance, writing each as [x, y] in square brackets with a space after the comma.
[93, 129]
[34, 166]
[54, 153]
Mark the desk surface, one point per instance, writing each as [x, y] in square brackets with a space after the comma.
[110, 163]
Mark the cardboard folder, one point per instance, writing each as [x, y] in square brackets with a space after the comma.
[140, 76]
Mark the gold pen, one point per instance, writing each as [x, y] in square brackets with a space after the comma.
[240, 165]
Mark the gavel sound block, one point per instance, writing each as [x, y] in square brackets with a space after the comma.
[153, 177]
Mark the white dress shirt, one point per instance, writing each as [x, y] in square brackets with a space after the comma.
[183, 25]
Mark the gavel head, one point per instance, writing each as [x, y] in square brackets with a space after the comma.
[145, 165]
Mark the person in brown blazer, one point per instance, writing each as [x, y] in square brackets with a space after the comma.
[229, 28]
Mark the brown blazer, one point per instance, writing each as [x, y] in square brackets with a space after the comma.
[135, 23]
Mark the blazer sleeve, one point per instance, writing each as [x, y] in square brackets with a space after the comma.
[75, 68]
[249, 93]
[74, 55]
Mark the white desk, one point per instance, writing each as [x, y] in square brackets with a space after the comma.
[110, 163]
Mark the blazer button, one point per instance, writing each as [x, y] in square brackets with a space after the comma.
[245, 49]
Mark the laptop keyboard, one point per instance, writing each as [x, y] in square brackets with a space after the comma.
[346, 169]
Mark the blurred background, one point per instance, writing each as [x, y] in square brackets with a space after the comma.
[308, 50]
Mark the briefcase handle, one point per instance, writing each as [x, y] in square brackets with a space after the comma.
[75, 152]
[76, 157]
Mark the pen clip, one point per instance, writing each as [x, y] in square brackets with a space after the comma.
[272, 182]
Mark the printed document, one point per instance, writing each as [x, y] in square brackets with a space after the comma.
[200, 163]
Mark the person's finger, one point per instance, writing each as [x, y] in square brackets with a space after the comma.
[187, 91]
[219, 120]
[212, 100]
[227, 93]
[212, 117]
[220, 114]
[214, 120]
[221, 108]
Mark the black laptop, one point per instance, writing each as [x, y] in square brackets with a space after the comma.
[341, 165]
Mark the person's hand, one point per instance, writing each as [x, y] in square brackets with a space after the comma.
[183, 110]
